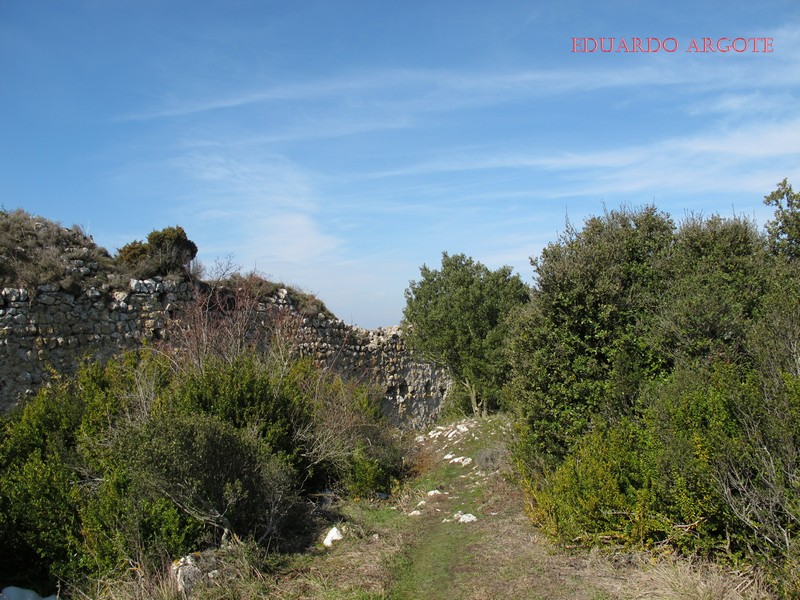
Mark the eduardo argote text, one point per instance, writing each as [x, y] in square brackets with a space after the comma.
[671, 44]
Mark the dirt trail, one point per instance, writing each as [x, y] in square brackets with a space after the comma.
[460, 532]
[498, 554]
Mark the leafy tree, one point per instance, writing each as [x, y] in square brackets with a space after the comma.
[575, 350]
[457, 318]
[784, 229]
[715, 276]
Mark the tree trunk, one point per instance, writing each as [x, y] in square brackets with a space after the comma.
[473, 398]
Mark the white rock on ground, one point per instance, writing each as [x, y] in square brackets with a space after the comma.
[15, 593]
[465, 517]
[334, 535]
[186, 573]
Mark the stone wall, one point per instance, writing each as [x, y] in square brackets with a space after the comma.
[55, 329]
[413, 390]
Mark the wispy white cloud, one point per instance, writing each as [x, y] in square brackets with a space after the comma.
[235, 182]
[721, 159]
[746, 105]
[258, 207]
[345, 86]
[316, 129]
[292, 238]
[438, 89]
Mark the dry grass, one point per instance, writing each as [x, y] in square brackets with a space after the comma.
[35, 251]
[240, 571]
[683, 579]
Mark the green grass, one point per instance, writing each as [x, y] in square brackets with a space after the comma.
[428, 567]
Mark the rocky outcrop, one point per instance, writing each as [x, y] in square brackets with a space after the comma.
[55, 329]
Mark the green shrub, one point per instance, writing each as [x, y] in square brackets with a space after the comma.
[654, 479]
[598, 491]
[222, 477]
[133, 253]
[367, 475]
[715, 276]
[166, 251]
[42, 538]
[170, 249]
[575, 349]
[784, 229]
[247, 393]
[691, 424]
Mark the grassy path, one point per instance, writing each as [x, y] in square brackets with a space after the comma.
[497, 555]
[415, 547]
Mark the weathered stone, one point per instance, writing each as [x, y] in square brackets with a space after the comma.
[186, 573]
[15, 295]
[16, 593]
[46, 299]
[334, 535]
[70, 327]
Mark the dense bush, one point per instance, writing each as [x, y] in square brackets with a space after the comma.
[219, 475]
[596, 492]
[133, 253]
[145, 458]
[170, 248]
[655, 382]
[716, 273]
[784, 229]
[166, 251]
[574, 348]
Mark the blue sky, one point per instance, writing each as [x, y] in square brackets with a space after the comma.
[339, 145]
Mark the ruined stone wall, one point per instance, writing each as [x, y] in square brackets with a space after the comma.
[413, 391]
[54, 330]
